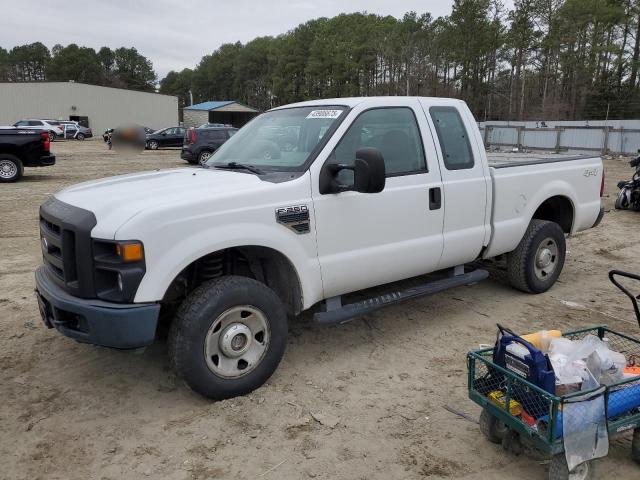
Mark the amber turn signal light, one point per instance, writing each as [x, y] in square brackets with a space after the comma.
[130, 252]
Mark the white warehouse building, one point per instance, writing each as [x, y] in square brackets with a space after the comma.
[94, 106]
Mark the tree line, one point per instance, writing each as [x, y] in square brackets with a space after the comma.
[542, 59]
[122, 67]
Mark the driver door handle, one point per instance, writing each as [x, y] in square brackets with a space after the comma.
[435, 198]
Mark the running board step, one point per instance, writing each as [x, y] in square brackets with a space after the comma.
[349, 312]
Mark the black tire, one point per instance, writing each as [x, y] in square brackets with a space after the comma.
[635, 445]
[493, 429]
[153, 145]
[511, 442]
[11, 168]
[204, 156]
[196, 317]
[522, 262]
[80, 136]
[621, 201]
[559, 470]
[52, 136]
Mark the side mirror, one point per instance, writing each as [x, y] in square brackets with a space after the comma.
[369, 174]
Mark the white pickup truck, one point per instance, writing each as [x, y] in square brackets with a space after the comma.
[373, 190]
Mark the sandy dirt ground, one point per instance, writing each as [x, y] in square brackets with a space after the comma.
[360, 401]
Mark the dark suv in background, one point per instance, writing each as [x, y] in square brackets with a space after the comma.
[200, 143]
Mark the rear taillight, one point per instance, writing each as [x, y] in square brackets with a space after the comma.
[45, 141]
[192, 136]
[602, 184]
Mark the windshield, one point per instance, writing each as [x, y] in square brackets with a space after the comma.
[280, 139]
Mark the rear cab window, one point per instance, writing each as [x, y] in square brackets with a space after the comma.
[453, 138]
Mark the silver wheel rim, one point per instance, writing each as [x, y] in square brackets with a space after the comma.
[237, 341]
[267, 155]
[546, 258]
[204, 156]
[52, 136]
[8, 169]
[581, 472]
[153, 145]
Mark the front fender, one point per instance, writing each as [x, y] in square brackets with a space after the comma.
[164, 262]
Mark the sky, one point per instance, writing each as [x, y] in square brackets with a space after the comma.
[176, 34]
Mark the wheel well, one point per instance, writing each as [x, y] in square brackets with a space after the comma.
[556, 209]
[260, 263]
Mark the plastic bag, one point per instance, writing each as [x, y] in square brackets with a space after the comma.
[604, 364]
[584, 426]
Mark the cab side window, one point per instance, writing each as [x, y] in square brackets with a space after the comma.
[454, 141]
[394, 131]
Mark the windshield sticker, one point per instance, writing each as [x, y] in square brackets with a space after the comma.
[324, 114]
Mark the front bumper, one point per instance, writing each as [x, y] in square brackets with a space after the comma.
[95, 321]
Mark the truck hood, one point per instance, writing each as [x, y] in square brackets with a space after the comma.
[115, 200]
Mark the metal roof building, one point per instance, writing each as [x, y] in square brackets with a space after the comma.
[225, 111]
[97, 107]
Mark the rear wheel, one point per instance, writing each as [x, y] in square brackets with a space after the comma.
[635, 445]
[203, 157]
[536, 263]
[228, 337]
[492, 428]
[80, 136]
[52, 136]
[559, 470]
[11, 168]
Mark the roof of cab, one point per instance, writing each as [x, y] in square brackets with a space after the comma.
[353, 101]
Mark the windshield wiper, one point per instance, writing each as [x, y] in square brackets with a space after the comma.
[239, 166]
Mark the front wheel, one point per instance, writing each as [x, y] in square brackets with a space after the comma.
[228, 337]
[152, 145]
[80, 136]
[536, 263]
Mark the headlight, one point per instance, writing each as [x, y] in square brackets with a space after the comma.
[118, 269]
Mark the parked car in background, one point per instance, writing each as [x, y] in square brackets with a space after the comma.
[23, 147]
[166, 137]
[75, 130]
[200, 143]
[50, 126]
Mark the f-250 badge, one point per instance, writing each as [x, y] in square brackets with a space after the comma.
[295, 217]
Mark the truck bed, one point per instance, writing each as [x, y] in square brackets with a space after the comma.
[518, 192]
[510, 159]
